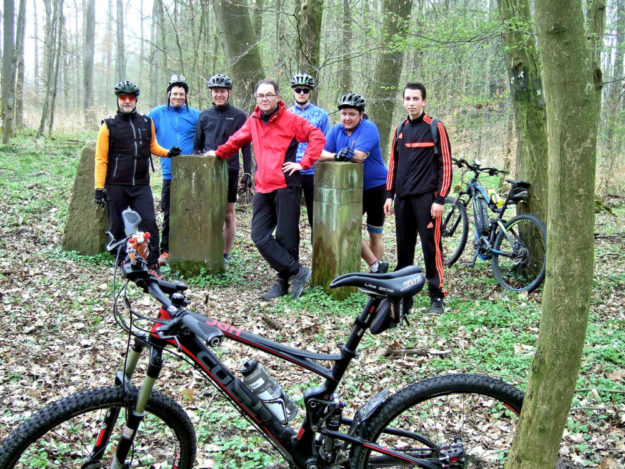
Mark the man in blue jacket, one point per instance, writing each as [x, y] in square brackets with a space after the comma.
[175, 126]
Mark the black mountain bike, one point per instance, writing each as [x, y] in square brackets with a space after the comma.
[517, 248]
[449, 421]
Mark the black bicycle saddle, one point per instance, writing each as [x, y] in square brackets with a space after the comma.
[401, 283]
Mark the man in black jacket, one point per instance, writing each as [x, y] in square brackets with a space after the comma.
[419, 179]
[214, 127]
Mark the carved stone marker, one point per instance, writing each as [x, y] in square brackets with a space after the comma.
[198, 209]
[337, 221]
[86, 222]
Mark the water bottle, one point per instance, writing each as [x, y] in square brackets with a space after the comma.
[271, 393]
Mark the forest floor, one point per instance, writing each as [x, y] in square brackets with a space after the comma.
[59, 337]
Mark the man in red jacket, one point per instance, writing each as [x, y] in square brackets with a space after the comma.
[275, 134]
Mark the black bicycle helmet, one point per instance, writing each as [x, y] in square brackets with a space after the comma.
[178, 80]
[352, 100]
[220, 81]
[127, 87]
[302, 79]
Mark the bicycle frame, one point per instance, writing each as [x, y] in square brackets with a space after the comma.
[298, 448]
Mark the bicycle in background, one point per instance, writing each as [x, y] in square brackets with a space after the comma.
[517, 248]
[449, 421]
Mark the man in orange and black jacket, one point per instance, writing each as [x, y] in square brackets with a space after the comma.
[122, 167]
[419, 179]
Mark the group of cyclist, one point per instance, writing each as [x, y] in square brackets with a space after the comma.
[287, 143]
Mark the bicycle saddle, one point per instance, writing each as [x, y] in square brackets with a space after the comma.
[402, 283]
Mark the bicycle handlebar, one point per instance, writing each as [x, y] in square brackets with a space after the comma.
[476, 167]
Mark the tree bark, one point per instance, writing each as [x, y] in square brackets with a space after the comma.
[258, 19]
[121, 60]
[346, 64]
[241, 48]
[37, 73]
[8, 70]
[383, 90]
[50, 28]
[60, 22]
[526, 90]
[309, 36]
[19, 82]
[89, 50]
[572, 143]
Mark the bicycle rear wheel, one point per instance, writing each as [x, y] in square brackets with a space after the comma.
[64, 433]
[520, 253]
[477, 412]
[455, 229]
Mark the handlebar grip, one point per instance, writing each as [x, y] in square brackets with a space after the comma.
[171, 287]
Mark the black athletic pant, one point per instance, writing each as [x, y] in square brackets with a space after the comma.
[139, 199]
[308, 187]
[412, 216]
[278, 210]
[165, 208]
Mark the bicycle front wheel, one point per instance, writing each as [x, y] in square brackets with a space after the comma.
[520, 253]
[455, 229]
[64, 434]
[476, 414]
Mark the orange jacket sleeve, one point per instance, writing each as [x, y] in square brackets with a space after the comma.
[101, 157]
[155, 148]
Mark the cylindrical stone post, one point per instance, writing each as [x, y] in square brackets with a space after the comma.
[86, 222]
[337, 222]
[197, 211]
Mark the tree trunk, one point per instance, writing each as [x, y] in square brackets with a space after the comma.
[89, 50]
[241, 48]
[383, 90]
[19, 83]
[60, 22]
[309, 36]
[258, 19]
[109, 44]
[346, 64]
[121, 60]
[572, 143]
[49, 63]
[528, 103]
[8, 71]
[37, 73]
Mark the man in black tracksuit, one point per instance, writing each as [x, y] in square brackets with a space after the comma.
[419, 178]
[215, 125]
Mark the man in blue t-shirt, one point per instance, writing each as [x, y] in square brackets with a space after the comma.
[357, 139]
[302, 85]
[174, 123]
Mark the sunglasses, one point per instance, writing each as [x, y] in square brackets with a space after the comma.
[301, 90]
[128, 97]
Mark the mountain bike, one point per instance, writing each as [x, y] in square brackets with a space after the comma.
[449, 421]
[517, 248]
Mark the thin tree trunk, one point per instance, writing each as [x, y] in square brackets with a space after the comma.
[141, 43]
[528, 102]
[49, 63]
[19, 82]
[109, 43]
[89, 50]
[37, 73]
[57, 61]
[8, 70]
[383, 90]
[121, 61]
[241, 48]
[346, 63]
[572, 143]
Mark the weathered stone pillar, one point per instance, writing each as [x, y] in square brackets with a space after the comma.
[337, 221]
[86, 222]
[198, 209]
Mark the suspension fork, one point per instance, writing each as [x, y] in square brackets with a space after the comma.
[122, 378]
[135, 417]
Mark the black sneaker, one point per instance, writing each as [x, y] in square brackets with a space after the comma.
[437, 306]
[277, 290]
[299, 281]
[383, 268]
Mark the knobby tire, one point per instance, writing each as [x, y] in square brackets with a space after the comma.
[455, 230]
[63, 433]
[480, 410]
